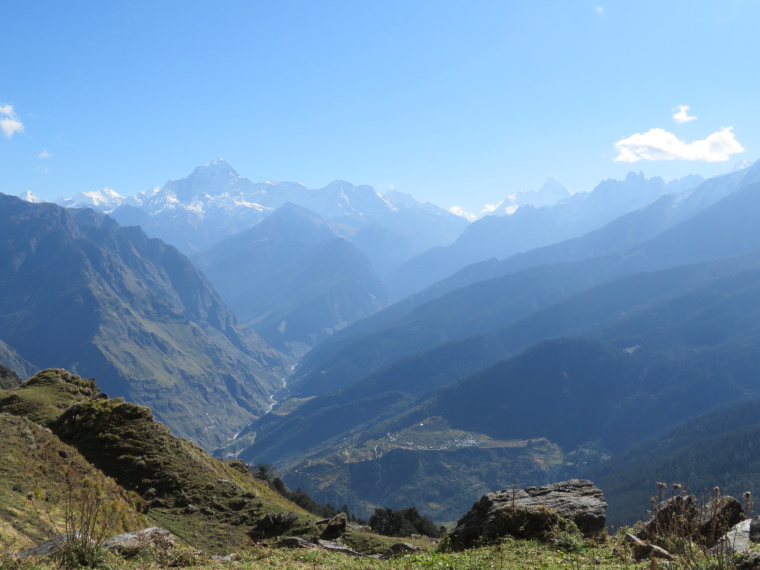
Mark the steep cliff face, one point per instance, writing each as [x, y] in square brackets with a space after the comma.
[81, 292]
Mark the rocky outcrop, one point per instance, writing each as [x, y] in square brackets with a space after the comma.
[685, 516]
[533, 512]
[273, 524]
[335, 526]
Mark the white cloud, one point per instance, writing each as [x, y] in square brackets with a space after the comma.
[9, 123]
[682, 115]
[599, 9]
[659, 144]
[459, 211]
[44, 154]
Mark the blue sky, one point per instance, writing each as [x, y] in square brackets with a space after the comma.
[458, 103]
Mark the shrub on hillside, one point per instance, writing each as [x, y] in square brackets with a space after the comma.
[405, 522]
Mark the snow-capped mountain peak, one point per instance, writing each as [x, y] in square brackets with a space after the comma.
[29, 196]
[551, 192]
[214, 201]
[741, 165]
[214, 178]
[105, 200]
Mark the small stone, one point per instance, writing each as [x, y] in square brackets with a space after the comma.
[399, 549]
[294, 542]
[228, 558]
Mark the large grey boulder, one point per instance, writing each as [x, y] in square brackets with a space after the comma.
[335, 526]
[740, 537]
[533, 512]
[132, 543]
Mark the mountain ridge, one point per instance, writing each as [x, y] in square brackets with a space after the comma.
[81, 292]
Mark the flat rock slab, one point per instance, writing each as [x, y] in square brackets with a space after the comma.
[295, 542]
[50, 546]
[335, 547]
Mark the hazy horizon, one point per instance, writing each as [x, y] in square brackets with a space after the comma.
[457, 106]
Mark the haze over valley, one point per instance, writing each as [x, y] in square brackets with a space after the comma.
[337, 272]
[539, 355]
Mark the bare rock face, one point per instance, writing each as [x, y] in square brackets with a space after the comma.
[533, 512]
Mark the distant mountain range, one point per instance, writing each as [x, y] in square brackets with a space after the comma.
[78, 290]
[215, 202]
[549, 194]
[701, 224]
[536, 343]
[654, 323]
[530, 227]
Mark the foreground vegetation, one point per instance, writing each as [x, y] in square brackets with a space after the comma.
[509, 554]
[72, 460]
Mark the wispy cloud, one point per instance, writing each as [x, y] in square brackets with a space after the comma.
[682, 115]
[599, 9]
[9, 123]
[659, 144]
[459, 211]
[44, 154]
